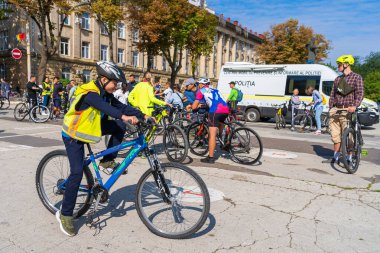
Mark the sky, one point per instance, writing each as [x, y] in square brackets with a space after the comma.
[353, 27]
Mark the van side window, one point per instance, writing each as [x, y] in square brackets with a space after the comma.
[300, 83]
[327, 87]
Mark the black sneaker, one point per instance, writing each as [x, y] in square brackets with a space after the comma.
[208, 160]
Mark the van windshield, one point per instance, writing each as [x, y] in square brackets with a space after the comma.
[327, 87]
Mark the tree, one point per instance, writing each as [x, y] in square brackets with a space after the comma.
[39, 11]
[372, 86]
[201, 40]
[170, 26]
[370, 64]
[286, 44]
[109, 13]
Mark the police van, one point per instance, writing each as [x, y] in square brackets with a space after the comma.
[264, 86]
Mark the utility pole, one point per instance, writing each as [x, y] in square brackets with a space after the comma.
[28, 57]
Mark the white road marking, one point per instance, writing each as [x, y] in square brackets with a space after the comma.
[18, 135]
[280, 154]
[32, 128]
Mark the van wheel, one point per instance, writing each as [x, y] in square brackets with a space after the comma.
[252, 115]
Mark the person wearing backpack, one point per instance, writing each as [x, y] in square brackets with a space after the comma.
[233, 98]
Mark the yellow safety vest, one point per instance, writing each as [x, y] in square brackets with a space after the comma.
[46, 86]
[83, 125]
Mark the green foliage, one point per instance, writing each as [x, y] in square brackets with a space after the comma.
[372, 86]
[369, 69]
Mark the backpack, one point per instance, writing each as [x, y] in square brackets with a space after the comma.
[240, 96]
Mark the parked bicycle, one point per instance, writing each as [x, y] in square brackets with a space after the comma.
[352, 142]
[305, 120]
[38, 113]
[174, 141]
[280, 115]
[243, 144]
[171, 199]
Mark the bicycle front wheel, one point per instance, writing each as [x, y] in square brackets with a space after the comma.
[40, 114]
[20, 111]
[178, 210]
[51, 176]
[351, 150]
[246, 146]
[197, 135]
[175, 144]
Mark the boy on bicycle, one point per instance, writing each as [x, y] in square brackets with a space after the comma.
[85, 122]
[218, 113]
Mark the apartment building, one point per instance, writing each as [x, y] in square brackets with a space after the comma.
[85, 41]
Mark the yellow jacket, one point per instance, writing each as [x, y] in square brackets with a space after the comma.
[83, 125]
[142, 96]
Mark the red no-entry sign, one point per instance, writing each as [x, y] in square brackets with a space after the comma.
[16, 53]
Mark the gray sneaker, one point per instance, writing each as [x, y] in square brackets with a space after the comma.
[66, 223]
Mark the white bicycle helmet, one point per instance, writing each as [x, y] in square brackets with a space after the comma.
[111, 71]
[204, 80]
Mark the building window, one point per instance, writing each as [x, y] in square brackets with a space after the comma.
[86, 50]
[164, 67]
[215, 61]
[4, 5]
[64, 47]
[66, 21]
[3, 40]
[2, 70]
[135, 35]
[103, 29]
[103, 53]
[120, 55]
[121, 31]
[152, 62]
[86, 21]
[86, 76]
[300, 83]
[135, 59]
[187, 62]
[66, 73]
[207, 60]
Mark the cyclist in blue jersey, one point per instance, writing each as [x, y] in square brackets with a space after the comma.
[218, 112]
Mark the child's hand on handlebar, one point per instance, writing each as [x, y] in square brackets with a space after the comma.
[130, 119]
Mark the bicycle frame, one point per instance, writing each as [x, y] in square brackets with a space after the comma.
[137, 145]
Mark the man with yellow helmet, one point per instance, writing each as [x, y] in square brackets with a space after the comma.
[85, 122]
[346, 95]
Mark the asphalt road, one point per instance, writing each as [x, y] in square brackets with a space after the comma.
[289, 202]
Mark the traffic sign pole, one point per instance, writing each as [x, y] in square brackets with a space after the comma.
[28, 58]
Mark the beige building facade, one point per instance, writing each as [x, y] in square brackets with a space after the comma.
[84, 41]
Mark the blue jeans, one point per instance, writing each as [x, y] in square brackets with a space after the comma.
[46, 100]
[318, 113]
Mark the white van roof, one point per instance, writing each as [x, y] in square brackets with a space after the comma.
[247, 66]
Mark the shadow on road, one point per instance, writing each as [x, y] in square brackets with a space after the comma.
[322, 151]
[120, 203]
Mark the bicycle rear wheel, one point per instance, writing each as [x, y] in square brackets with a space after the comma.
[182, 123]
[197, 135]
[180, 209]
[282, 121]
[303, 123]
[246, 146]
[52, 173]
[176, 145]
[40, 114]
[20, 111]
[351, 146]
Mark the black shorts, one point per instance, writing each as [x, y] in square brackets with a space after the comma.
[215, 118]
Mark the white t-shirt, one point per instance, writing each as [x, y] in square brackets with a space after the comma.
[168, 95]
[122, 97]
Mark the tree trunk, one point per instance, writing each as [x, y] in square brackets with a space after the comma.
[110, 44]
[42, 66]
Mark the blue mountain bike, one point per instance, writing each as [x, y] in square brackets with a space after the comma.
[171, 199]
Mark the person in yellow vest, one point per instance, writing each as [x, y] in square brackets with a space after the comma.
[85, 122]
[46, 91]
[143, 97]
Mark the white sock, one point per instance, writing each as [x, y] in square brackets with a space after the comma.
[349, 158]
[336, 155]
